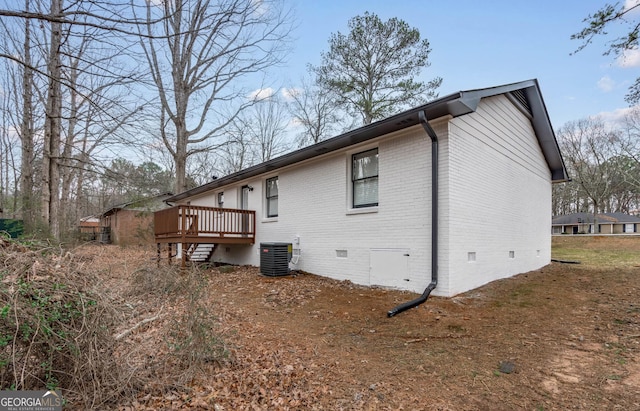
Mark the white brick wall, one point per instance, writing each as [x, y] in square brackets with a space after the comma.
[495, 196]
[313, 202]
[499, 197]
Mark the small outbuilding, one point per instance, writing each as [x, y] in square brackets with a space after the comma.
[131, 223]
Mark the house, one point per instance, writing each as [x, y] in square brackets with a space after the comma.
[585, 223]
[449, 195]
[131, 223]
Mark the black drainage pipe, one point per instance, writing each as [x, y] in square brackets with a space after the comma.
[434, 222]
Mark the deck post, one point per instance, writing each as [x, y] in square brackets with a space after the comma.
[159, 254]
[183, 253]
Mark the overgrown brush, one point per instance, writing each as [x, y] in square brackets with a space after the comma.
[194, 338]
[61, 328]
[192, 335]
[55, 326]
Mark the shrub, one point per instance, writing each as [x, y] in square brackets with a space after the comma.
[55, 325]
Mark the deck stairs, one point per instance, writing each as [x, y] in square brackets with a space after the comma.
[201, 253]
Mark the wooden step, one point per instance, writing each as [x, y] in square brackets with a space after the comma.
[201, 253]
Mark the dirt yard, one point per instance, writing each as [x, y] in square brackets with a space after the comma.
[564, 337]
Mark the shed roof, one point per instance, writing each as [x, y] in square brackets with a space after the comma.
[588, 218]
[527, 93]
[142, 204]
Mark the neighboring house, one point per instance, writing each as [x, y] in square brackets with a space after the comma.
[459, 187]
[89, 228]
[586, 223]
[131, 223]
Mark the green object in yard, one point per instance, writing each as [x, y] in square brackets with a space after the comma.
[13, 227]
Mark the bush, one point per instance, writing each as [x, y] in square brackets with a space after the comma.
[192, 334]
[194, 338]
[55, 325]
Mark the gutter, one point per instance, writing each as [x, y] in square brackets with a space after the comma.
[434, 222]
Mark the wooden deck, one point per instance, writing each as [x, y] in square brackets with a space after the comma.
[189, 225]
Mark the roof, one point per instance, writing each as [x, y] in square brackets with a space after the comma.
[587, 218]
[141, 204]
[89, 221]
[456, 104]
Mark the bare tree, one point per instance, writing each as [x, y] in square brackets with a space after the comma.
[50, 208]
[630, 138]
[27, 129]
[9, 158]
[589, 149]
[238, 153]
[75, 56]
[267, 123]
[21, 116]
[98, 113]
[316, 110]
[208, 47]
[204, 167]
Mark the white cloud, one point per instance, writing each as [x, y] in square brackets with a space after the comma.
[259, 7]
[606, 84]
[629, 58]
[261, 94]
[294, 123]
[630, 3]
[615, 117]
[289, 93]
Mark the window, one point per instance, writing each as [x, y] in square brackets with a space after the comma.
[272, 197]
[220, 200]
[364, 175]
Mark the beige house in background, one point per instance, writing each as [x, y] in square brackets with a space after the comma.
[601, 223]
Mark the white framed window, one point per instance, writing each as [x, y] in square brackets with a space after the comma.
[271, 190]
[364, 179]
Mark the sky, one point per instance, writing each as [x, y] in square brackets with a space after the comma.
[478, 44]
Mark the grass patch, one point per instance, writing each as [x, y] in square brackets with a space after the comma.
[598, 252]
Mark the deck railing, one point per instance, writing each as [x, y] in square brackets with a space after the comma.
[189, 222]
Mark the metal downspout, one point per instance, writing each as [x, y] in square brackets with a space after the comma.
[434, 222]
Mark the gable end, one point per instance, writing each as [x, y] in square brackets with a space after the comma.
[521, 98]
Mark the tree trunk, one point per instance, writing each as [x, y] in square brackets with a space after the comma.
[50, 170]
[26, 133]
[67, 172]
[180, 159]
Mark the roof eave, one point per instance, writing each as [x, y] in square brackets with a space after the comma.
[456, 104]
